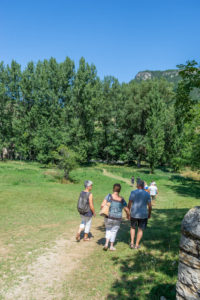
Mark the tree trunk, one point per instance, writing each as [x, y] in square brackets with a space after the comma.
[138, 162]
[152, 168]
[66, 174]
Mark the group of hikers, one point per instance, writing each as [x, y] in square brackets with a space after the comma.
[138, 211]
[151, 189]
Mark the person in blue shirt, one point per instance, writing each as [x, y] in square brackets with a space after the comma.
[139, 200]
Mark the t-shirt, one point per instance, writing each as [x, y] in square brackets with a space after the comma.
[140, 199]
[153, 190]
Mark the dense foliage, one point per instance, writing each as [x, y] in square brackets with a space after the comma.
[49, 104]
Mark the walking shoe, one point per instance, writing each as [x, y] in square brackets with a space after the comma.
[137, 247]
[113, 249]
[78, 237]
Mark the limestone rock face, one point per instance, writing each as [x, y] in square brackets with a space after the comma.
[144, 75]
[188, 284]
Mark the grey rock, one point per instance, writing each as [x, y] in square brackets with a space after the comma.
[190, 245]
[191, 223]
[144, 75]
[179, 297]
[188, 284]
[189, 260]
[189, 277]
[183, 292]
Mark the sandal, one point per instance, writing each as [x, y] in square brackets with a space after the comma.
[105, 248]
[137, 247]
[78, 237]
[86, 239]
[113, 249]
[132, 246]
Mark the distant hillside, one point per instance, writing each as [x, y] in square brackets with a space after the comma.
[169, 75]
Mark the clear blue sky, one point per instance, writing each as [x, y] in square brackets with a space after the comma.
[121, 37]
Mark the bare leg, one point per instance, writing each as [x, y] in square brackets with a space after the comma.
[139, 236]
[112, 248]
[80, 230]
[107, 242]
[78, 234]
[132, 232]
[86, 237]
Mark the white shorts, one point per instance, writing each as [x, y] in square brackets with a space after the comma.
[86, 223]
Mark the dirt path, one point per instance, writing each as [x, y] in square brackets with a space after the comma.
[45, 276]
[106, 173]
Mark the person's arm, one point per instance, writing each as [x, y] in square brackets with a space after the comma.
[103, 203]
[127, 212]
[149, 209]
[129, 205]
[125, 207]
[92, 205]
[130, 202]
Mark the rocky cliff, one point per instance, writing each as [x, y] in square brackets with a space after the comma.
[169, 75]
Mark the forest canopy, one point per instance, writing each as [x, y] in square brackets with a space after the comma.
[49, 104]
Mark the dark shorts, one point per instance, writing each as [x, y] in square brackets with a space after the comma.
[141, 223]
[153, 197]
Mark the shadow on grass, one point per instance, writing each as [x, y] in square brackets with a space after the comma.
[163, 231]
[185, 186]
[148, 273]
[134, 285]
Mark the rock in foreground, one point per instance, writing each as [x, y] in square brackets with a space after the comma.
[188, 284]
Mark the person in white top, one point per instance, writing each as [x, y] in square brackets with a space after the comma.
[153, 190]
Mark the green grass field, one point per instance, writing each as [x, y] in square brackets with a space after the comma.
[35, 208]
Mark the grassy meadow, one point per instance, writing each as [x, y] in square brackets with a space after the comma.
[35, 208]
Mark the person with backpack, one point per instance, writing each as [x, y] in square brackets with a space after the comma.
[86, 209]
[113, 220]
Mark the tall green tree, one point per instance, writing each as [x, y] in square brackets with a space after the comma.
[147, 103]
[10, 98]
[185, 107]
[155, 141]
[85, 95]
[109, 113]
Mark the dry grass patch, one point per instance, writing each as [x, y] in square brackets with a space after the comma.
[191, 174]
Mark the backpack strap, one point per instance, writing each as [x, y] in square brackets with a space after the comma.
[109, 198]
